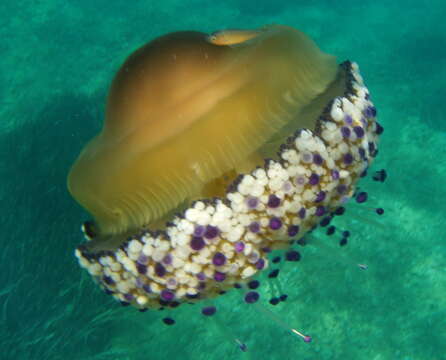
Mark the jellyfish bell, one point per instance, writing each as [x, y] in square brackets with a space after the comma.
[183, 111]
[216, 149]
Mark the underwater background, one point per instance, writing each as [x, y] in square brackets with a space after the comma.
[57, 60]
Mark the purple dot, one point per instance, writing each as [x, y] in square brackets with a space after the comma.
[331, 230]
[260, 264]
[252, 202]
[254, 284]
[379, 129]
[348, 119]
[307, 157]
[273, 201]
[167, 295]
[168, 321]
[172, 282]
[239, 246]
[274, 301]
[201, 276]
[364, 122]
[211, 232]
[254, 227]
[160, 270]
[252, 297]
[292, 255]
[219, 259]
[293, 230]
[143, 259]
[361, 197]
[367, 112]
[147, 288]
[193, 296]
[370, 111]
[300, 180]
[301, 213]
[320, 196]
[199, 231]
[287, 186]
[167, 260]
[209, 310]
[197, 243]
[359, 131]
[325, 221]
[275, 223]
[141, 268]
[317, 159]
[380, 175]
[342, 189]
[219, 276]
[361, 153]
[348, 159]
[128, 297]
[253, 257]
[283, 297]
[273, 274]
[108, 280]
[314, 179]
[345, 131]
[335, 174]
[139, 282]
[320, 210]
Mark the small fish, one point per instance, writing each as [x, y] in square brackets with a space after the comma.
[231, 36]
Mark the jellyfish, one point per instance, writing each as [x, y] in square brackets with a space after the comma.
[215, 150]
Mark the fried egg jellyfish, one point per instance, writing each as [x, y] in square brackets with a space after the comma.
[215, 150]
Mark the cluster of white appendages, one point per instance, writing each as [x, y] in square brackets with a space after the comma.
[216, 244]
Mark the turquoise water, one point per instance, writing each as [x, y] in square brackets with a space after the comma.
[56, 62]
